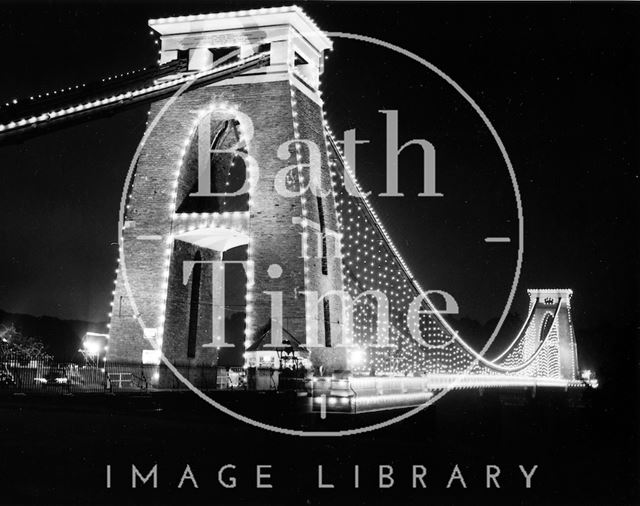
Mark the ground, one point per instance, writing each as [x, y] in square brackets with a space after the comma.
[56, 449]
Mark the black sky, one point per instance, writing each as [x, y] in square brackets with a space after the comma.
[558, 81]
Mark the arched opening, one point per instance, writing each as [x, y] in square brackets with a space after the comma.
[194, 306]
[214, 165]
[547, 321]
[235, 306]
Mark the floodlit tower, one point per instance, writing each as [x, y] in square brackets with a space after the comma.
[186, 205]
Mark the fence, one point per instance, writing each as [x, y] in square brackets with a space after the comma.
[18, 374]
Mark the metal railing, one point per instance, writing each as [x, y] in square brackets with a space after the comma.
[48, 376]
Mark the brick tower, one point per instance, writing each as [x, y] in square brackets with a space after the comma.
[548, 336]
[186, 204]
[550, 316]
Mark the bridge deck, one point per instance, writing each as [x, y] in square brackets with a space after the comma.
[366, 393]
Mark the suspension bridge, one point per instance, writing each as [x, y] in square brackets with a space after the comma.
[223, 219]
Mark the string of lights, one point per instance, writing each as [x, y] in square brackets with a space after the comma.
[372, 263]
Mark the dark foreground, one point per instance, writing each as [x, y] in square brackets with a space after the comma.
[55, 450]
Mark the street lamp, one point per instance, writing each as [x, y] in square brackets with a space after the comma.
[356, 357]
[93, 346]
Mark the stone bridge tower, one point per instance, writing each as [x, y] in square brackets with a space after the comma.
[186, 204]
[549, 332]
[550, 319]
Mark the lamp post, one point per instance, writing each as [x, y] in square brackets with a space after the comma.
[93, 346]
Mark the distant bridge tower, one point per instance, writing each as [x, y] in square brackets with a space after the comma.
[552, 316]
[547, 341]
[215, 138]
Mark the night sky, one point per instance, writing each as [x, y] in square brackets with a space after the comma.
[559, 83]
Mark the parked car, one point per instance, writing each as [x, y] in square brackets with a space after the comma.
[61, 376]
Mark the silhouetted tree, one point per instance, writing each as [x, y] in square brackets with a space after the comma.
[24, 348]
